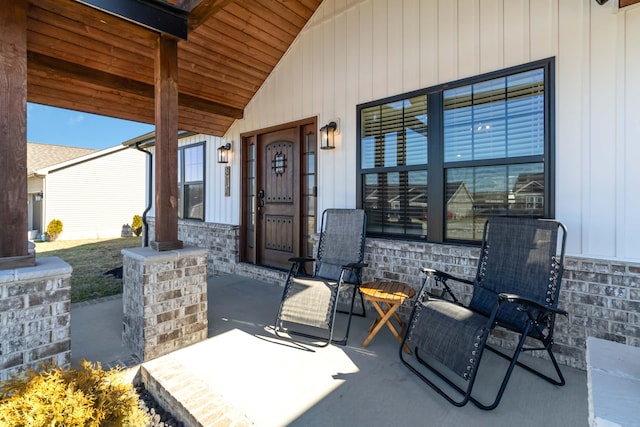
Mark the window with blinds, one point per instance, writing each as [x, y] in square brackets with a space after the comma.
[490, 139]
[394, 161]
[499, 118]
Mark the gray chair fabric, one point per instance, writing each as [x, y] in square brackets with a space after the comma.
[516, 286]
[519, 257]
[311, 301]
[431, 335]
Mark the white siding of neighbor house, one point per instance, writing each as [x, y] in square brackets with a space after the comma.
[355, 51]
[94, 199]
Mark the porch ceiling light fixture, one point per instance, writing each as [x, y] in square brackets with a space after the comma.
[223, 153]
[601, 2]
[328, 136]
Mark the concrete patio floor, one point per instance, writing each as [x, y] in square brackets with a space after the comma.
[274, 383]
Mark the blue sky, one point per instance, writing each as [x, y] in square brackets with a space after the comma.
[57, 126]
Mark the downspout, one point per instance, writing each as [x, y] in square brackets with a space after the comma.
[149, 193]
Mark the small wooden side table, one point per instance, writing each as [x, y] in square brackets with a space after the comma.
[386, 297]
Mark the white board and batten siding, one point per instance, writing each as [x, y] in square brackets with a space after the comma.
[218, 208]
[95, 198]
[355, 51]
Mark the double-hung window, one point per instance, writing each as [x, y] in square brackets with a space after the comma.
[191, 181]
[435, 163]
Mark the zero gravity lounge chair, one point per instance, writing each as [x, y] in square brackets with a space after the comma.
[516, 287]
[309, 302]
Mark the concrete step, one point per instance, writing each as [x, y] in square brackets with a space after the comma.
[187, 397]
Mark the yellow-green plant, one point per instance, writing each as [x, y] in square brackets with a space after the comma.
[52, 397]
[54, 229]
[136, 225]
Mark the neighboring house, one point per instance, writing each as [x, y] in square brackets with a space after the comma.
[532, 109]
[94, 193]
[40, 156]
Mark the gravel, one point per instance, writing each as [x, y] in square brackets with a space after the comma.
[158, 416]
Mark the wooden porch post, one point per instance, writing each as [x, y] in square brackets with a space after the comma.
[13, 136]
[166, 108]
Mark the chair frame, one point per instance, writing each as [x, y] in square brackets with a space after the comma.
[537, 314]
[298, 269]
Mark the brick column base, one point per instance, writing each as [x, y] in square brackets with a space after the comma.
[35, 322]
[164, 300]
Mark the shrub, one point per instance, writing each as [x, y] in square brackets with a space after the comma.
[54, 229]
[88, 396]
[136, 225]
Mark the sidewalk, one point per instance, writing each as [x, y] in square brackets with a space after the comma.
[96, 333]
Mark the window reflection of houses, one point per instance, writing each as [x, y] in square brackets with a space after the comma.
[392, 210]
[459, 201]
[415, 215]
[528, 194]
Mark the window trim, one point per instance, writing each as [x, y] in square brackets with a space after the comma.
[182, 184]
[436, 166]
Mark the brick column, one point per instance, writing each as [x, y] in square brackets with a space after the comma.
[164, 300]
[35, 316]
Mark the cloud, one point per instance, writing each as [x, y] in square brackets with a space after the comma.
[75, 119]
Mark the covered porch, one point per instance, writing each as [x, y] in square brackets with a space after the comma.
[242, 374]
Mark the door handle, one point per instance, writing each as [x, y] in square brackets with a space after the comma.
[260, 202]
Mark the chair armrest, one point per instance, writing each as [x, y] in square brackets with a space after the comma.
[354, 265]
[299, 260]
[444, 276]
[440, 278]
[517, 299]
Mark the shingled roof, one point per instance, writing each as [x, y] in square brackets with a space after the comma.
[43, 155]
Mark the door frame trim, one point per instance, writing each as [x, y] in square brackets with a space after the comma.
[244, 136]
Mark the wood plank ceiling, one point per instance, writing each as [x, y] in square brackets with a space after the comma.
[84, 59]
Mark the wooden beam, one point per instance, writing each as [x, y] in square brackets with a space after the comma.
[197, 103]
[205, 10]
[60, 68]
[151, 14]
[13, 138]
[625, 3]
[166, 106]
[67, 70]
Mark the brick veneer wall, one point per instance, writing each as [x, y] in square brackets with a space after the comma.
[602, 297]
[35, 322]
[164, 300]
[221, 241]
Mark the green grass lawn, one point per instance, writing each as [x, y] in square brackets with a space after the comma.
[90, 259]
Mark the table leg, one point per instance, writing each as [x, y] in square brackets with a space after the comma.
[395, 315]
[384, 318]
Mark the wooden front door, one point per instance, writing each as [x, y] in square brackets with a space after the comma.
[279, 197]
[278, 211]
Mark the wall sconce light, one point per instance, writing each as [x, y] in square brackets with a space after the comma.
[223, 153]
[328, 136]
